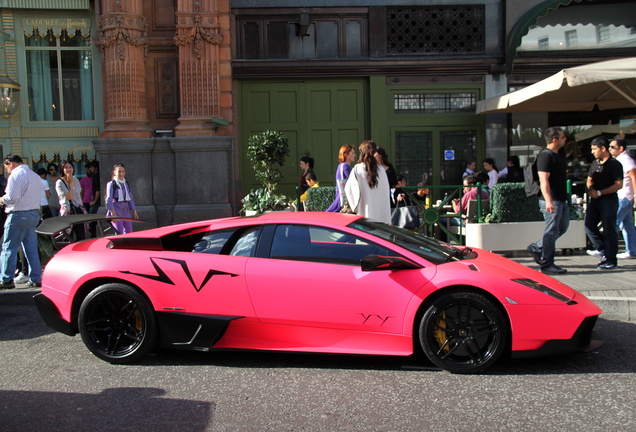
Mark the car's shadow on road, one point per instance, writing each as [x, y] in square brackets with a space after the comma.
[617, 355]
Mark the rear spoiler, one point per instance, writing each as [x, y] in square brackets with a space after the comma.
[54, 225]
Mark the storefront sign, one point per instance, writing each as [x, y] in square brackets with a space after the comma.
[57, 25]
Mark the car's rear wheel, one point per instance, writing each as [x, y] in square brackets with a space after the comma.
[117, 323]
[463, 332]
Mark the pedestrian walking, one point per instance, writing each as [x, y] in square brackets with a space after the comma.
[553, 201]
[22, 204]
[54, 200]
[604, 180]
[68, 190]
[346, 156]
[368, 189]
[119, 200]
[624, 220]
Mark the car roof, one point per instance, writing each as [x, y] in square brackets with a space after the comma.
[337, 219]
[341, 219]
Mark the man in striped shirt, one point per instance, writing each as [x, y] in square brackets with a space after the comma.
[22, 202]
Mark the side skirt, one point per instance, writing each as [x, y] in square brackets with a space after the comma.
[192, 332]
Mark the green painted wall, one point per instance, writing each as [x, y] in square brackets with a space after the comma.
[319, 116]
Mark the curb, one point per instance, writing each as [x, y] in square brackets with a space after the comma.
[18, 297]
[614, 308]
[617, 308]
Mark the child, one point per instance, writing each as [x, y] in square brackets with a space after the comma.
[312, 182]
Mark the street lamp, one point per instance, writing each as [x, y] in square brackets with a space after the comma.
[9, 95]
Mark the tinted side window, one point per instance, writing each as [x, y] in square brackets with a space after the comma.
[317, 244]
[213, 242]
[246, 244]
[232, 241]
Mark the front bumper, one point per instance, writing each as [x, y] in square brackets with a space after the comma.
[51, 315]
[585, 339]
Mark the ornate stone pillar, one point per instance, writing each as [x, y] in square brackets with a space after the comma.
[124, 48]
[199, 34]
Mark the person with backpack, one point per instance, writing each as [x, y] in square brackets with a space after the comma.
[551, 171]
[119, 200]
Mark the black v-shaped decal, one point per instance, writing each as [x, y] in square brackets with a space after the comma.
[163, 277]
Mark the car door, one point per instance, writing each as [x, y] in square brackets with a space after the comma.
[313, 278]
[207, 279]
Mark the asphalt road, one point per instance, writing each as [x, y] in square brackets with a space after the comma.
[50, 382]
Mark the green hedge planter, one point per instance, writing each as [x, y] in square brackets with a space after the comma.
[320, 198]
[509, 203]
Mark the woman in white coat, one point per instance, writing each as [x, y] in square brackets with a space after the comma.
[368, 189]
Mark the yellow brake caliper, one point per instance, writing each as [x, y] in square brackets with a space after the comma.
[439, 334]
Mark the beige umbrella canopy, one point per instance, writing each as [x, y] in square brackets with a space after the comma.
[609, 84]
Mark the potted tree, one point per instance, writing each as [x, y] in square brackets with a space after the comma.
[266, 150]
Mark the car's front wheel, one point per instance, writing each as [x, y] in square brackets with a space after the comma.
[117, 323]
[463, 332]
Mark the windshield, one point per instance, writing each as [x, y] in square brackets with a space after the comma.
[428, 248]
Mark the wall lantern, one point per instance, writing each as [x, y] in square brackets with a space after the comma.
[9, 95]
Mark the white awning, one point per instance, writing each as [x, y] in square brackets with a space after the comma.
[610, 85]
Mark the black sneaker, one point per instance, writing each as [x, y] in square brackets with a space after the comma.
[606, 265]
[554, 269]
[536, 255]
[7, 285]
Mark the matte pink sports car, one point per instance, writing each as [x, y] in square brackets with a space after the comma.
[307, 282]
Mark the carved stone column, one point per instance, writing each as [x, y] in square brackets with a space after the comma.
[124, 48]
[198, 38]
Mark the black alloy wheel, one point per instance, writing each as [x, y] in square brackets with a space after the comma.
[117, 323]
[463, 332]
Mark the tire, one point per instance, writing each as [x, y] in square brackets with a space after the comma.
[463, 332]
[117, 323]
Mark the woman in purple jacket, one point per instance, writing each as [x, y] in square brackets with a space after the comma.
[346, 156]
[119, 200]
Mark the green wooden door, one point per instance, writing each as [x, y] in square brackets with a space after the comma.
[318, 117]
[421, 154]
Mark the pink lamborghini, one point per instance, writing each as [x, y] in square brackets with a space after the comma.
[307, 282]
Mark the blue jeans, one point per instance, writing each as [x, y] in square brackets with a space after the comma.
[556, 224]
[603, 210]
[19, 229]
[625, 223]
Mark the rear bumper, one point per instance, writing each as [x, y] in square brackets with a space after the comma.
[51, 315]
[585, 339]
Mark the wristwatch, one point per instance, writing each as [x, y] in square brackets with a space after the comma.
[599, 192]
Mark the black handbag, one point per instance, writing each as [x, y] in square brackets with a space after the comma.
[406, 217]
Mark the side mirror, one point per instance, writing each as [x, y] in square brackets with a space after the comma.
[376, 262]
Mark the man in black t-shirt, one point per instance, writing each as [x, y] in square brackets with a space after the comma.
[553, 201]
[604, 179]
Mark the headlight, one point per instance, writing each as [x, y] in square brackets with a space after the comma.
[545, 290]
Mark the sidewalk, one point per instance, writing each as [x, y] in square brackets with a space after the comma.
[614, 291]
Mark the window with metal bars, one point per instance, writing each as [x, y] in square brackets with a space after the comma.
[435, 30]
[434, 103]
